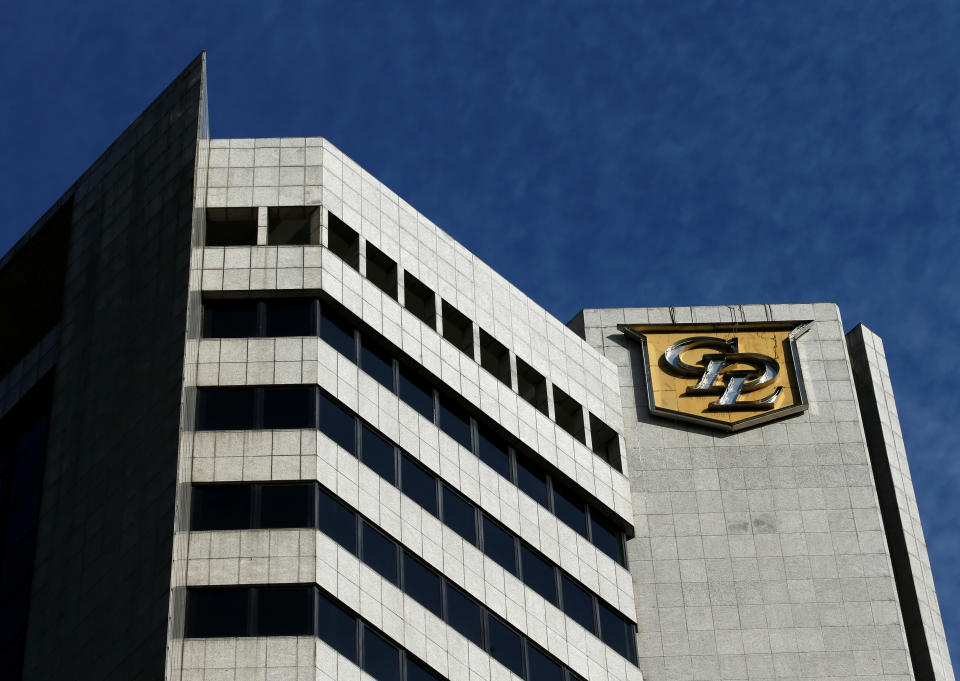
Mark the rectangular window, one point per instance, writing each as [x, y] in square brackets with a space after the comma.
[569, 414]
[493, 452]
[287, 505]
[289, 407]
[343, 241]
[291, 317]
[454, 422]
[289, 225]
[457, 328]
[418, 484]
[464, 615]
[336, 332]
[337, 627]
[219, 409]
[606, 539]
[532, 481]
[337, 521]
[337, 423]
[494, 357]
[285, 611]
[420, 300]
[616, 633]
[422, 584]
[606, 444]
[381, 659]
[231, 227]
[230, 319]
[379, 552]
[499, 545]
[578, 604]
[538, 574]
[531, 385]
[541, 667]
[220, 507]
[460, 515]
[505, 645]
[382, 270]
[416, 392]
[216, 613]
[570, 510]
[418, 672]
[376, 362]
[378, 454]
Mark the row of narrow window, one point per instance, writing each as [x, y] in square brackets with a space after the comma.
[299, 610]
[306, 504]
[457, 328]
[289, 407]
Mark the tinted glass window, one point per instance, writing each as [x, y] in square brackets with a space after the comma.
[337, 423]
[532, 482]
[416, 392]
[459, 514]
[378, 454]
[418, 484]
[614, 631]
[289, 407]
[541, 667]
[220, 507]
[379, 552]
[422, 584]
[337, 628]
[213, 613]
[577, 604]
[381, 659]
[287, 505]
[454, 422]
[337, 333]
[337, 522]
[230, 319]
[226, 409]
[464, 615]
[419, 672]
[291, 317]
[606, 539]
[538, 574]
[493, 452]
[499, 545]
[285, 611]
[505, 645]
[377, 363]
[570, 511]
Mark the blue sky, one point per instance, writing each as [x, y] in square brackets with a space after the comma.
[596, 154]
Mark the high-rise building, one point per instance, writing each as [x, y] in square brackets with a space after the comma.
[260, 419]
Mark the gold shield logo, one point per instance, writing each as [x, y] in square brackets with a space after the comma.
[726, 376]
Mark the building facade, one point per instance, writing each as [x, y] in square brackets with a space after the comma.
[260, 419]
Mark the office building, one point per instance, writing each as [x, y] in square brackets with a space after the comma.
[261, 419]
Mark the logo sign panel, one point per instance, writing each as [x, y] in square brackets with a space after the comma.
[726, 376]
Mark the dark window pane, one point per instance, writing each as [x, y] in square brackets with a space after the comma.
[285, 611]
[418, 484]
[337, 522]
[337, 333]
[538, 574]
[226, 409]
[532, 482]
[337, 628]
[287, 505]
[220, 507]
[422, 584]
[607, 539]
[570, 511]
[493, 452]
[379, 454]
[499, 545]
[416, 392]
[464, 615]
[337, 424]
[505, 645]
[460, 515]
[381, 659]
[615, 632]
[419, 672]
[214, 613]
[541, 667]
[454, 422]
[377, 363]
[578, 604]
[289, 407]
[291, 317]
[379, 552]
[230, 319]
